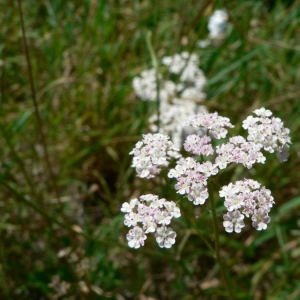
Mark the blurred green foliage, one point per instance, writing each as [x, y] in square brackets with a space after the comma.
[84, 55]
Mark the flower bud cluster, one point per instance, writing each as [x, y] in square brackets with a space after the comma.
[154, 215]
[246, 198]
[152, 153]
[268, 132]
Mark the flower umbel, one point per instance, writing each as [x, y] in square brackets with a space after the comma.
[152, 153]
[153, 214]
[245, 198]
[268, 132]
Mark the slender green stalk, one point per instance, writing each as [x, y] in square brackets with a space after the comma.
[155, 66]
[36, 110]
[217, 243]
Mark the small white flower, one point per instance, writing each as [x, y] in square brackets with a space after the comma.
[136, 237]
[217, 24]
[127, 207]
[172, 209]
[229, 190]
[198, 193]
[262, 112]
[162, 217]
[131, 219]
[233, 221]
[165, 237]
[208, 169]
[260, 219]
[283, 153]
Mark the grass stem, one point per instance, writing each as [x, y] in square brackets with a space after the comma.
[36, 109]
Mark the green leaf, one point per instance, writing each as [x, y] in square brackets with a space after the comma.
[21, 121]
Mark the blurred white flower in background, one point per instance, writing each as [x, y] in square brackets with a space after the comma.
[217, 24]
[178, 96]
[217, 27]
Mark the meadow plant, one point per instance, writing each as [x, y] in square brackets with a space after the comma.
[195, 172]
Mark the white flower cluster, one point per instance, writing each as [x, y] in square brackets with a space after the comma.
[243, 198]
[145, 86]
[192, 178]
[246, 198]
[213, 123]
[191, 78]
[152, 153]
[154, 214]
[239, 151]
[268, 132]
[178, 98]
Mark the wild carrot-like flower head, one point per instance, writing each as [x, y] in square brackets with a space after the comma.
[153, 215]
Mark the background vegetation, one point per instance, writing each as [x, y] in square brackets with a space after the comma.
[62, 236]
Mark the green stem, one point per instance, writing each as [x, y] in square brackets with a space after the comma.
[155, 66]
[217, 242]
[37, 112]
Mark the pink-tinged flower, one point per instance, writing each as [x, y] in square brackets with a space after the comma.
[208, 169]
[211, 123]
[198, 145]
[152, 213]
[268, 133]
[153, 153]
[248, 198]
[192, 179]
[260, 219]
[198, 193]
[233, 221]
[239, 151]
[136, 237]
[165, 237]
